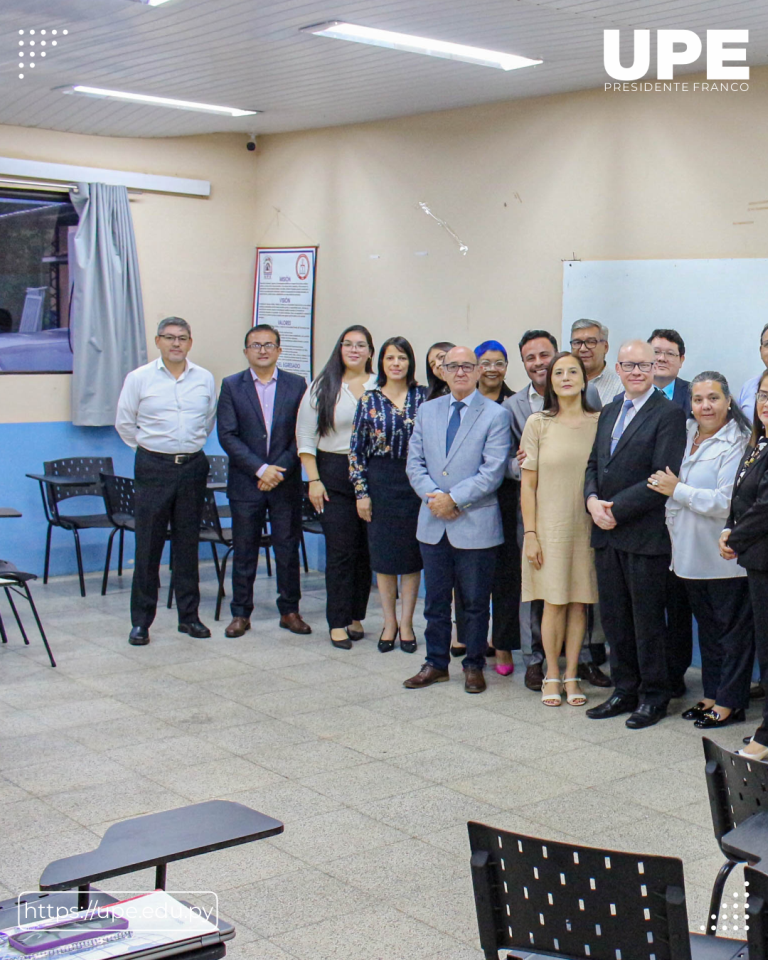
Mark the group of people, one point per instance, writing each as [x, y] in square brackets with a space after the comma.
[594, 501]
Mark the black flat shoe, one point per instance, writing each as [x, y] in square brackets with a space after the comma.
[695, 713]
[712, 719]
[458, 651]
[408, 646]
[355, 634]
[386, 645]
[342, 644]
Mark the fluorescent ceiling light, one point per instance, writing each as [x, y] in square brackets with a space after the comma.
[432, 48]
[158, 101]
[152, 3]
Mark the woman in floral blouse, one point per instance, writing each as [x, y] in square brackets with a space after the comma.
[377, 453]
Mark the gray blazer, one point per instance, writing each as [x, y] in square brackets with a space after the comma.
[471, 473]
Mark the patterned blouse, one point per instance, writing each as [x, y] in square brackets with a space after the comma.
[381, 430]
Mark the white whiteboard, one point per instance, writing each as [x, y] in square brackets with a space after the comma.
[718, 307]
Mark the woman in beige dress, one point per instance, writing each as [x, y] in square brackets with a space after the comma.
[558, 562]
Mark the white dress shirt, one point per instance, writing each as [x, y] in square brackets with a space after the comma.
[637, 404]
[160, 413]
[698, 508]
[608, 384]
[337, 441]
[535, 399]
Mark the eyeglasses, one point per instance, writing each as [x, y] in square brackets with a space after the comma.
[493, 364]
[169, 339]
[258, 347]
[359, 345]
[645, 366]
[453, 367]
[669, 354]
[762, 397]
[590, 343]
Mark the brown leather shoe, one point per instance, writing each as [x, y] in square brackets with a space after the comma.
[474, 680]
[294, 623]
[534, 676]
[593, 675]
[426, 677]
[238, 627]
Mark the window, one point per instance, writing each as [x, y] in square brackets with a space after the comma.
[36, 232]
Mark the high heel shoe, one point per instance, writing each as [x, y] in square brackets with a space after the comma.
[386, 645]
[551, 699]
[576, 699]
[695, 713]
[712, 719]
[355, 634]
[504, 669]
[342, 644]
[408, 646]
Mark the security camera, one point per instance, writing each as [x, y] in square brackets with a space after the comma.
[251, 145]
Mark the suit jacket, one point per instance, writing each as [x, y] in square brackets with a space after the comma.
[243, 434]
[472, 471]
[748, 520]
[682, 395]
[654, 439]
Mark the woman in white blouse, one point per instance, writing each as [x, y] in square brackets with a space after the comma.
[323, 432]
[698, 505]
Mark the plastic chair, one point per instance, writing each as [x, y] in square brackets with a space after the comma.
[583, 903]
[13, 580]
[310, 523]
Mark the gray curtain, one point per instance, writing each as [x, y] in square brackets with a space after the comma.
[107, 313]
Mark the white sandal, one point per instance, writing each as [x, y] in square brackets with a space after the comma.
[551, 699]
[574, 699]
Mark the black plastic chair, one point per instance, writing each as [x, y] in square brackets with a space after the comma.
[119, 500]
[535, 896]
[310, 523]
[86, 469]
[13, 580]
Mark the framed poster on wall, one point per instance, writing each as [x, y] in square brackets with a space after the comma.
[284, 297]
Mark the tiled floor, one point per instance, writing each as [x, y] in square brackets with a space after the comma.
[374, 783]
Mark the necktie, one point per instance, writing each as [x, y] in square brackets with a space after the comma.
[453, 424]
[619, 428]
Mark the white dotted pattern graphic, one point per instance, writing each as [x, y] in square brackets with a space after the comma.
[27, 54]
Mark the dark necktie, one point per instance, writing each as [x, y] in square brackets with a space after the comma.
[453, 424]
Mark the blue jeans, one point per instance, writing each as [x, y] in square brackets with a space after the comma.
[470, 572]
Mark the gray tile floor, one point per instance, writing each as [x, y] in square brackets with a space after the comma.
[374, 783]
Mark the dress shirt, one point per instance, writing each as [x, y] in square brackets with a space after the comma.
[466, 401]
[164, 414]
[637, 404]
[266, 394]
[699, 506]
[535, 399]
[669, 390]
[608, 384]
[748, 396]
[337, 441]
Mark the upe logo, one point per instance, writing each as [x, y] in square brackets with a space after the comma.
[676, 48]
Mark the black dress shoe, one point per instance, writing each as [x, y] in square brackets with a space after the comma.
[355, 634]
[646, 715]
[593, 675]
[345, 644]
[712, 719]
[139, 637]
[613, 707]
[695, 713]
[195, 629]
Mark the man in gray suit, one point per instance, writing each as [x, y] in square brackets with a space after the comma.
[456, 462]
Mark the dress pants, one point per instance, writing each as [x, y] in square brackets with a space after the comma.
[632, 589]
[680, 628]
[470, 572]
[167, 493]
[347, 562]
[758, 593]
[726, 638]
[247, 525]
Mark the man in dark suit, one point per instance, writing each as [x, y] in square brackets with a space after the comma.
[257, 429]
[669, 356]
[636, 435]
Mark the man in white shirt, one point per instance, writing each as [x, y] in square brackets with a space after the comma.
[749, 390]
[166, 411]
[589, 342]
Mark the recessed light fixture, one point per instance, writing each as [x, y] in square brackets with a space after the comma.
[158, 101]
[339, 30]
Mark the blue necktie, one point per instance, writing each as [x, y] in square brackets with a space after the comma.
[619, 428]
[453, 424]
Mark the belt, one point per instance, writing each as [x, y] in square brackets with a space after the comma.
[177, 458]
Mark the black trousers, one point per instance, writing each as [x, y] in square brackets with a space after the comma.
[726, 638]
[248, 518]
[347, 563]
[758, 593]
[680, 629]
[167, 493]
[470, 573]
[632, 589]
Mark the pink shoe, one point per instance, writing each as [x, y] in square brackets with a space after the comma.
[504, 669]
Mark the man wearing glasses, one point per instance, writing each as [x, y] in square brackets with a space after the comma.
[589, 342]
[257, 430]
[669, 356]
[637, 434]
[749, 390]
[165, 412]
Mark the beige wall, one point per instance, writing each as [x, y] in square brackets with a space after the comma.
[525, 184]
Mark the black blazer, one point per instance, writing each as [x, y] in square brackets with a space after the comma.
[749, 514]
[243, 435]
[654, 439]
[681, 395]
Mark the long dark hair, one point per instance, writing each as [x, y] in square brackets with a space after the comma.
[327, 386]
[435, 386]
[400, 343]
[551, 399]
[734, 410]
[758, 427]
